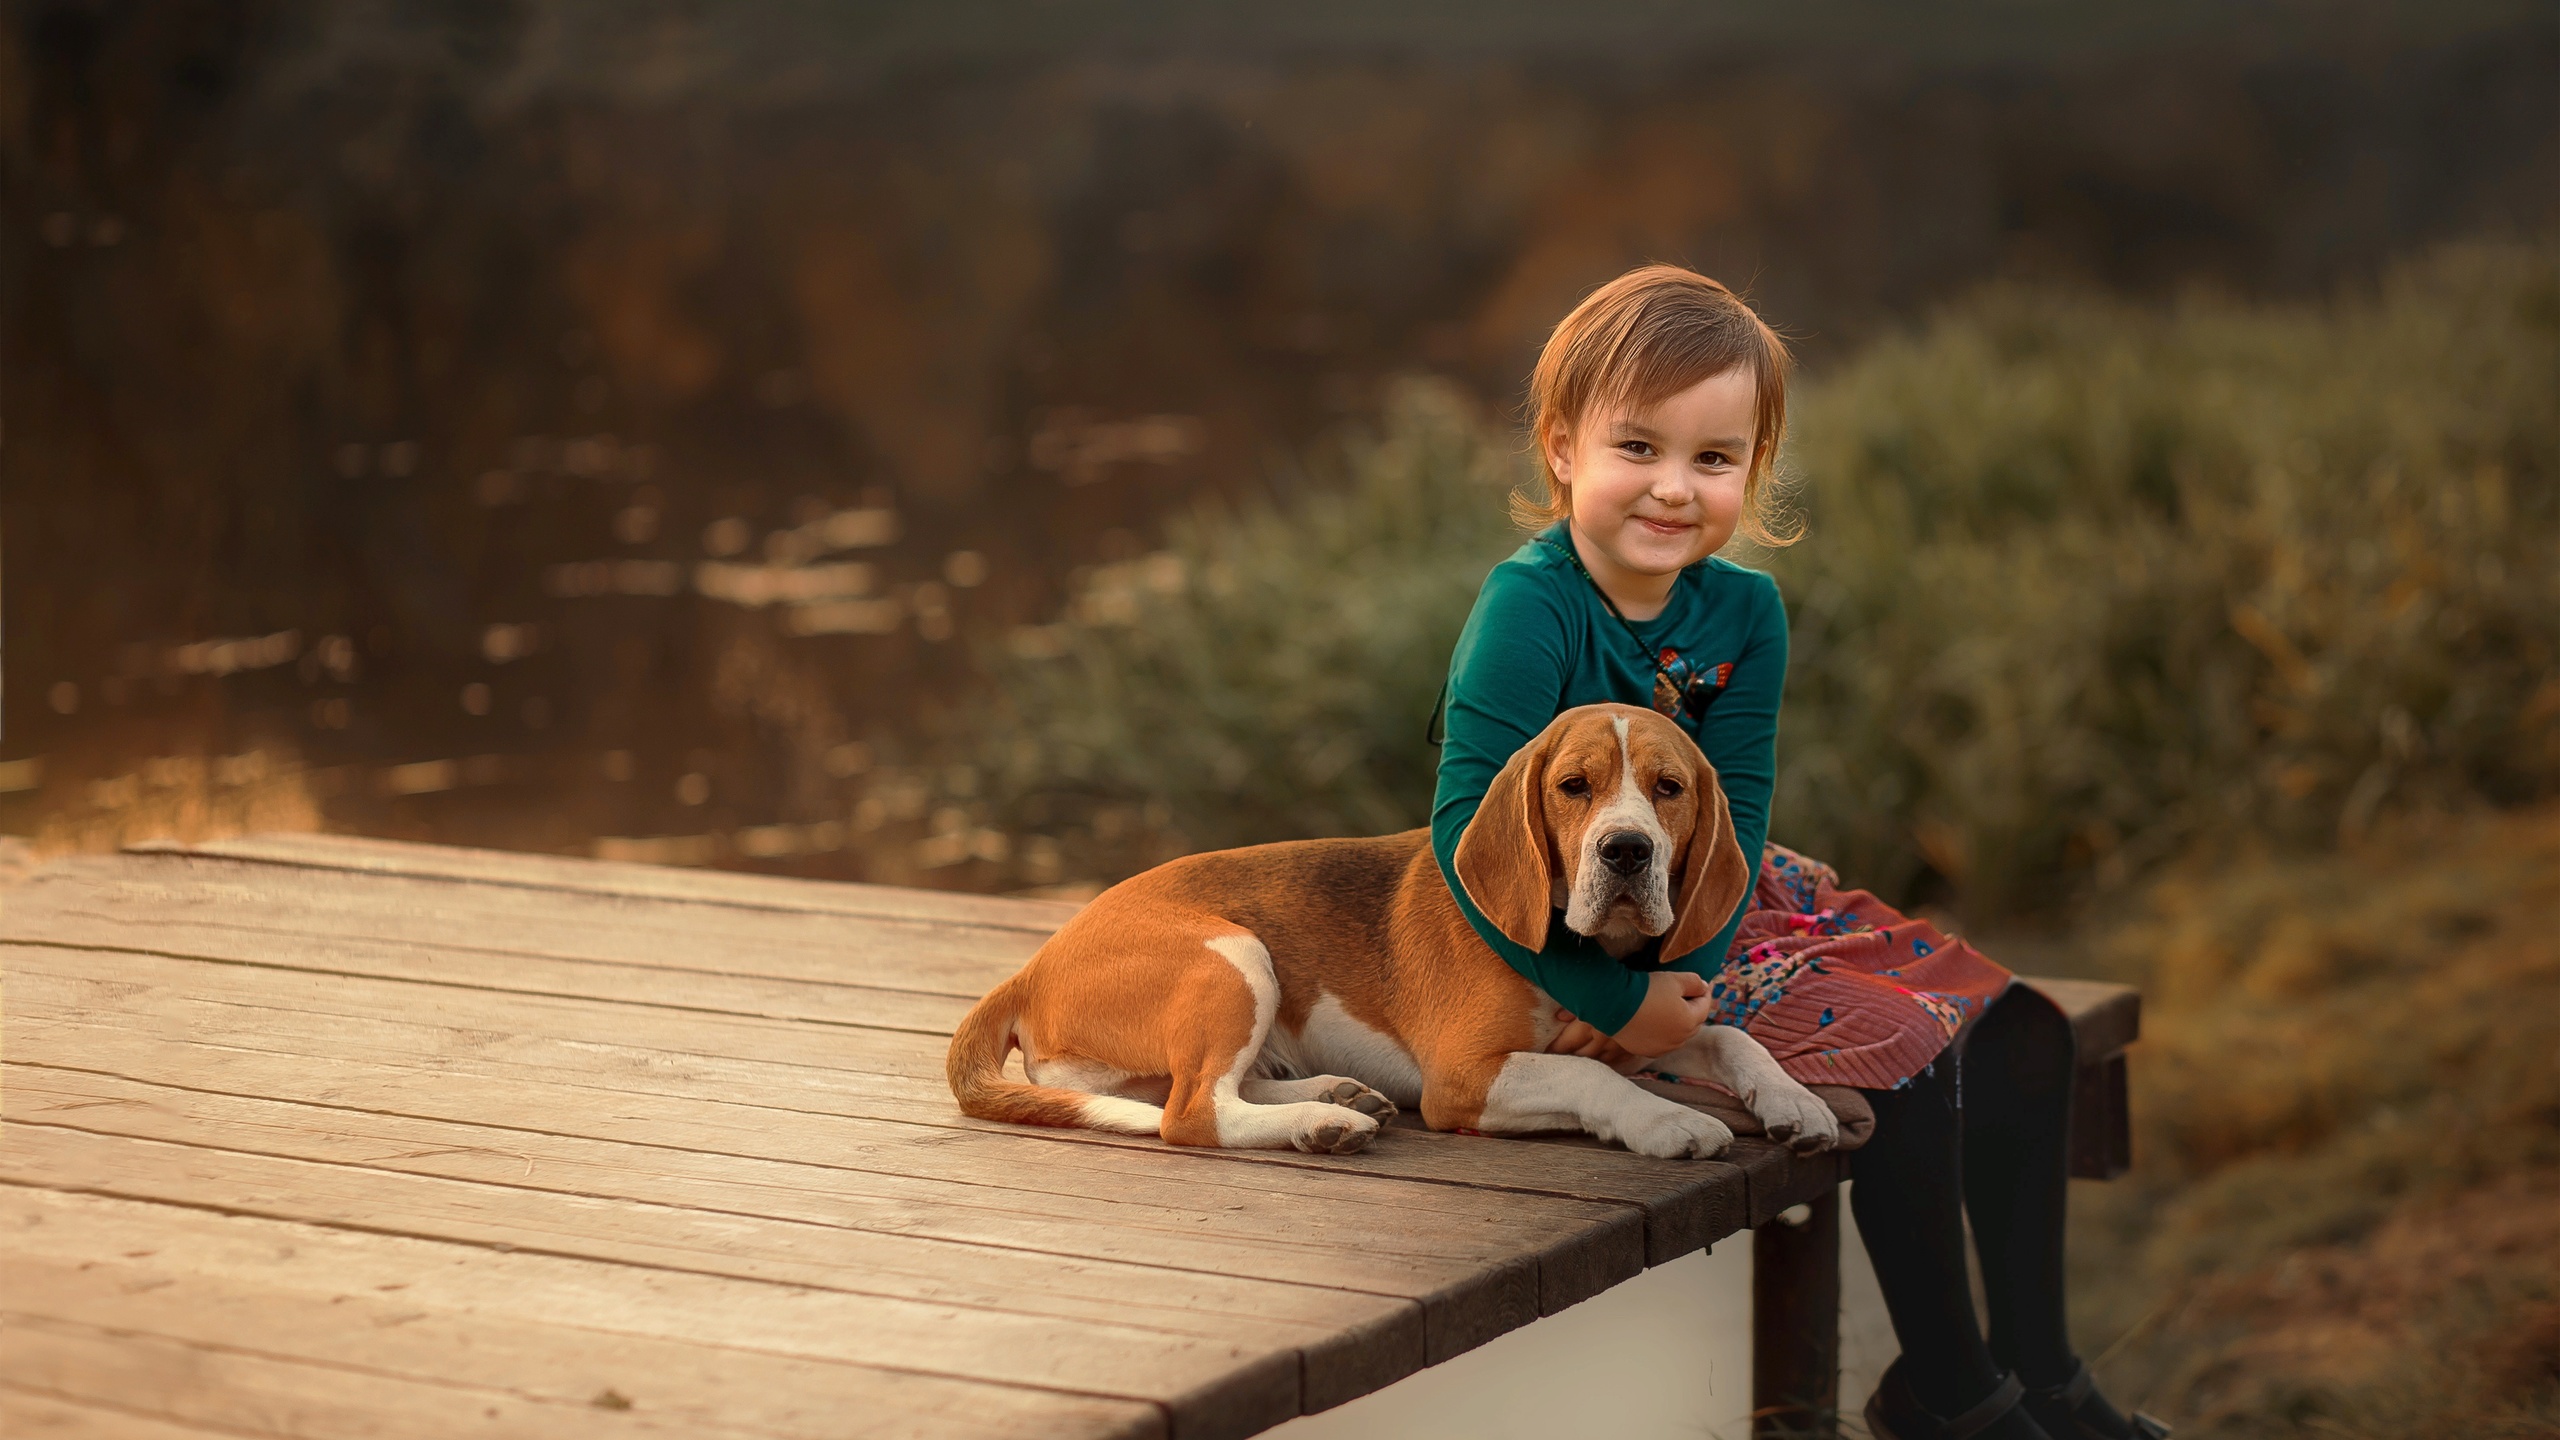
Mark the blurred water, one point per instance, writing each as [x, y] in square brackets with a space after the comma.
[610, 429]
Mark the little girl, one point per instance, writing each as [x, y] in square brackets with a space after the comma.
[1660, 401]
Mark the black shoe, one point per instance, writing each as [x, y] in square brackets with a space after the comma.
[2074, 1410]
[1894, 1413]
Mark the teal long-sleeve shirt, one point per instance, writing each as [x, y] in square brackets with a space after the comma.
[1540, 642]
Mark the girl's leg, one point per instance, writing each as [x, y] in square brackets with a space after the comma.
[2017, 1116]
[2018, 1067]
[1910, 1207]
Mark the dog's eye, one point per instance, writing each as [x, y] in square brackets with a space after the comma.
[1574, 785]
[1666, 787]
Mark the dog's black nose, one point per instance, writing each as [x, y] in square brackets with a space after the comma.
[1625, 851]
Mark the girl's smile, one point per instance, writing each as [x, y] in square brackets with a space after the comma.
[1657, 489]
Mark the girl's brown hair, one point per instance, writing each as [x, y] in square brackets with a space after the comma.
[1638, 340]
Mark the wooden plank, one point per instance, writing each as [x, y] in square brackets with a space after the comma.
[872, 1074]
[1227, 1386]
[1688, 1203]
[224, 1388]
[1684, 1212]
[931, 1015]
[1473, 1263]
[30, 1415]
[135, 901]
[544, 1326]
[833, 1156]
[2105, 1018]
[1782, 1179]
[533, 1036]
[1531, 1254]
[413, 1011]
[2101, 1120]
[864, 1151]
[518, 870]
[996, 1294]
[897, 1075]
[484, 968]
[599, 980]
[1795, 1325]
[551, 1374]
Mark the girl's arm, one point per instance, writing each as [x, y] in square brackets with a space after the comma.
[1741, 741]
[1506, 681]
[1740, 737]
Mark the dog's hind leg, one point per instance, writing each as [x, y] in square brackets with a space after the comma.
[1116, 1101]
[1324, 1089]
[1123, 1116]
[1226, 1014]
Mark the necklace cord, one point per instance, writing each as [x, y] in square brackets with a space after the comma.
[1609, 605]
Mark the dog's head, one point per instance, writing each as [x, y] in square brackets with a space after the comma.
[1595, 817]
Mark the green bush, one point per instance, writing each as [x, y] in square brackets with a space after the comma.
[2083, 582]
[2086, 582]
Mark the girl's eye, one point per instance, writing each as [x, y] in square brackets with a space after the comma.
[1666, 787]
[1637, 448]
[1574, 785]
[1714, 459]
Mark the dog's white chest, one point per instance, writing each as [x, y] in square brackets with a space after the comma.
[1333, 1042]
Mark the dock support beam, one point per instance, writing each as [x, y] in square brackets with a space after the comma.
[1795, 1323]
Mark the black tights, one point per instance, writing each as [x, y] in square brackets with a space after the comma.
[1983, 1130]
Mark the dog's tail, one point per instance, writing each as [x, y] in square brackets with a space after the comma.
[975, 1067]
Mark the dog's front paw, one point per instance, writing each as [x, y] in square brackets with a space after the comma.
[1676, 1132]
[1332, 1130]
[1795, 1117]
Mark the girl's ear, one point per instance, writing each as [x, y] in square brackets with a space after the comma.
[1556, 447]
[1713, 879]
[1503, 858]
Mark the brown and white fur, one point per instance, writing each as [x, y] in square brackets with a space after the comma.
[1295, 994]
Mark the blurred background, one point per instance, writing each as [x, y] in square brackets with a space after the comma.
[1002, 445]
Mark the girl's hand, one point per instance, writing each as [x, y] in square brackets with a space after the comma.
[1578, 1037]
[1676, 1003]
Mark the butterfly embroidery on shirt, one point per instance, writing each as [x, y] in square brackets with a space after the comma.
[1673, 675]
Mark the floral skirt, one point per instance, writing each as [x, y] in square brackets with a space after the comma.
[1842, 988]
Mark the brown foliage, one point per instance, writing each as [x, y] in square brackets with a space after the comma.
[2345, 1214]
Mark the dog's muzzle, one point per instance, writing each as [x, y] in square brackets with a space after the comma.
[1624, 867]
[1627, 852]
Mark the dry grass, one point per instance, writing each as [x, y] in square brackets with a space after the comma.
[2345, 1216]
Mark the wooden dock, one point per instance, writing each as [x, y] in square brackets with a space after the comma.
[322, 1137]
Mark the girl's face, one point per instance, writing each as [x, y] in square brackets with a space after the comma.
[1659, 489]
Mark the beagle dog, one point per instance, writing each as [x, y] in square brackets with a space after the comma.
[1294, 995]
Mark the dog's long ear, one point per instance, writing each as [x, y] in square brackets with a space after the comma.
[1503, 858]
[1713, 879]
